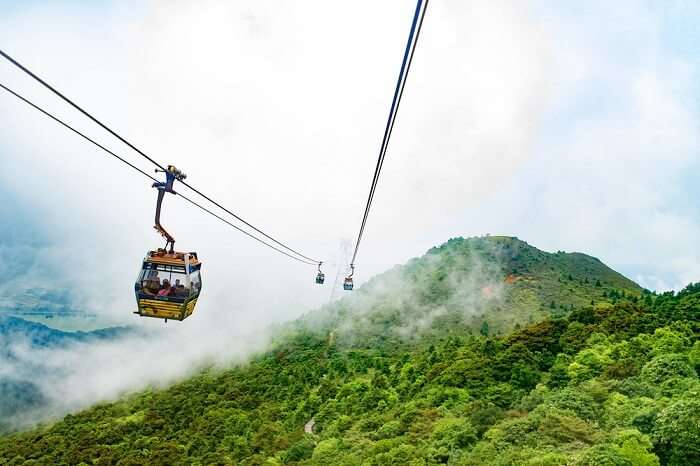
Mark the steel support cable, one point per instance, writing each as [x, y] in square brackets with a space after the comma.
[247, 233]
[140, 152]
[390, 122]
[392, 119]
[396, 110]
[121, 159]
[314, 261]
[76, 106]
[396, 101]
[66, 125]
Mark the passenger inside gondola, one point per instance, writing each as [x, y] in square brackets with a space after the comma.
[152, 284]
[166, 281]
[180, 290]
[167, 290]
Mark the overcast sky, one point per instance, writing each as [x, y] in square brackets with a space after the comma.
[571, 125]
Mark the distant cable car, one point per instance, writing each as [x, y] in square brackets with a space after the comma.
[169, 282]
[320, 277]
[347, 283]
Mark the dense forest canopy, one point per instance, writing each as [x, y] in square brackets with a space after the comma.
[484, 351]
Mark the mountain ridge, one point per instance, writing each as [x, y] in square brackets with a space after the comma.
[500, 280]
[39, 334]
[20, 373]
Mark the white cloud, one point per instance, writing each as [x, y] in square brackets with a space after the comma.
[277, 111]
[608, 176]
[570, 129]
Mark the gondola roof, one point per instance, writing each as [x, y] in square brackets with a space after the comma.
[176, 258]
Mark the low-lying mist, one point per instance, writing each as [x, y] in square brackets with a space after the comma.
[455, 284]
[404, 303]
[76, 375]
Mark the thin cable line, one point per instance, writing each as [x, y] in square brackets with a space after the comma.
[143, 154]
[66, 125]
[387, 133]
[77, 107]
[396, 101]
[248, 224]
[245, 232]
[398, 104]
[121, 159]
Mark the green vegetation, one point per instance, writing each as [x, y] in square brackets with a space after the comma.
[455, 288]
[615, 383]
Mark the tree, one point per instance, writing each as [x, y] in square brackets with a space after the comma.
[665, 367]
[485, 329]
[634, 446]
[524, 376]
[301, 450]
[327, 452]
[677, 432]
[451, 434]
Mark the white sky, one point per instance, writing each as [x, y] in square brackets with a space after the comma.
[573, 128]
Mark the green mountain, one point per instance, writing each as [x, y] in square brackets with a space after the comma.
[404, 372]
[458, 286]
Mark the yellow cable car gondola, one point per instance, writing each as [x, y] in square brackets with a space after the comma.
[169, 282]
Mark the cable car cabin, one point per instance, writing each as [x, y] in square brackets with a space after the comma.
[347, 284]
[320, 278]
[168, 285]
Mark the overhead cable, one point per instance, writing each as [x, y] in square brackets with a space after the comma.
[121, 159]
[143, 154]
[396, 101]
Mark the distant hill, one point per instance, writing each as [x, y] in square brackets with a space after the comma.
[36, 300]
[470, 284]
[19, 373]
[40, 335]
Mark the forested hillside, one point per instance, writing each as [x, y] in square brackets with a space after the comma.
[606, 376]
[492, 283]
